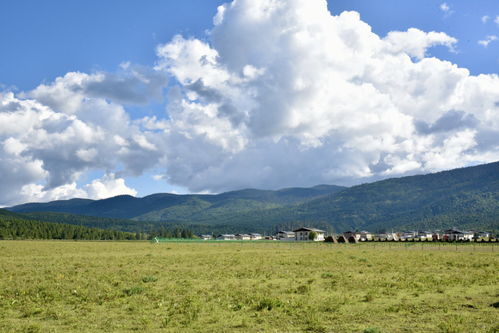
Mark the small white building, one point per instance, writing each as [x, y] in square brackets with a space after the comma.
[206, 237]
[226, 237]
[243, 237]
[382, 237]
[387, 237]
[303, 234]
[457, 235]
[392, 236]
[481, 235]
[425, 235]
[366, 236]
[255, 236]
[286, 236]
[409, 235]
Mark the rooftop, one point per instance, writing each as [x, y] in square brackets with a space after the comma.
[308, 229]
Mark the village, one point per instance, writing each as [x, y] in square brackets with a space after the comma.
[309, 234]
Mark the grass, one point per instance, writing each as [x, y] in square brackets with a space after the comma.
[57, 286]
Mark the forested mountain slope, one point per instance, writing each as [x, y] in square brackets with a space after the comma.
[192, 207]
[466, 197]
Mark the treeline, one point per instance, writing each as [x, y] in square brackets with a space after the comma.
[151, 229]
[176, 232]
[17, 226]
[92, 221]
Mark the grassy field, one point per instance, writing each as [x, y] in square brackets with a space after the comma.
[56, 286]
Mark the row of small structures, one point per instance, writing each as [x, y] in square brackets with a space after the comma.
[318, 235]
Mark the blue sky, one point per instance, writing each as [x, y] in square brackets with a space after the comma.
[42, 41]
[47, 39]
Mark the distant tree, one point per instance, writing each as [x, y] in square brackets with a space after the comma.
[312, 235]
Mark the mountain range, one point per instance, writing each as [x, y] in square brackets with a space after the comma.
[465, 197]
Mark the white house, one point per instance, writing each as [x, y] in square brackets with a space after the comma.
[481, 235]
[392, 236]
[366, 236]
[206, 237]
[409, 235]
[457, 235]
[226, 237]
[255, 236]
[381, 237]
[303, 234]
[242, 237]
[286, 236]
[425, 235]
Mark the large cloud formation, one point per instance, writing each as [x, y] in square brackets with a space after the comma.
[287, 94]
[282, 93]
[52, 135]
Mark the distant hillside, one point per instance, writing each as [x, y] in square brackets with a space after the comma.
[91, 221]
[180, 208]
[466, 198]
[15, 226]
[460, 197]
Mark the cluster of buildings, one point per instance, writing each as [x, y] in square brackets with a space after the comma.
[252, 236]
[318, 235]
[302, 234]
[449, 235]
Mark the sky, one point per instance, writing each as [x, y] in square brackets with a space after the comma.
[101, 98]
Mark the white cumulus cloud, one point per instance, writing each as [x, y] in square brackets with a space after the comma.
[108, 186]
[489, 39]
[444, 7]
[280, 93]
[53, 134]
[415, 42]
[285, 93]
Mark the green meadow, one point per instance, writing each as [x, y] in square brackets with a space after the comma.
[66, 286]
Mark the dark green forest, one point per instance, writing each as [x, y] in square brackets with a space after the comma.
[466, 198]
[16, 226]
[13, 226]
